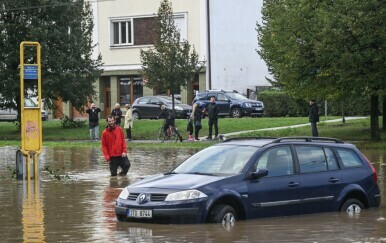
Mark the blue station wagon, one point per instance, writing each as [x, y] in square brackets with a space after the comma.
[245, 178]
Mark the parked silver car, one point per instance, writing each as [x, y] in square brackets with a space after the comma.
[11, 114]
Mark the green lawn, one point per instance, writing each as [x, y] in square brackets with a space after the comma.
[352, 130]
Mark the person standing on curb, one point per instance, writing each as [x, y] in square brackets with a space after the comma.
[117, 113]
[314, 117]
[128, 121]
[212, 111]
[114, 147]
[93, 121]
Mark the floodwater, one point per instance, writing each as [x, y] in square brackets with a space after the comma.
[73, 201]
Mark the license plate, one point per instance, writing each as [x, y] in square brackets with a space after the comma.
[139, 213]
[258, 109]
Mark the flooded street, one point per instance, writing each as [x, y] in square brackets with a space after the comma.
[74, 202]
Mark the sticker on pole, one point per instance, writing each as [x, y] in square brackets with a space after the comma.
[30, 72]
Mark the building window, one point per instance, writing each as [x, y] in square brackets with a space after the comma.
[131, 88]
[121, 32]
[180, 22]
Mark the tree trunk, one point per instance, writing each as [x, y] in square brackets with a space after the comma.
[384, 112]
[374, 122]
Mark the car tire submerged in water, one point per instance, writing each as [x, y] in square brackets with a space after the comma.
[121, 217]
[222, 213]
[352, 206]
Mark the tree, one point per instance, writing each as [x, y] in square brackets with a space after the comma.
[64, 30]
[171, 63]
[326, 49]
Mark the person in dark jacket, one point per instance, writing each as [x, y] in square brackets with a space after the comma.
[197, 113]
[117, 114]
[93, 121]
[168, 116]
[114, 147]
[314, 117]
[212, 111]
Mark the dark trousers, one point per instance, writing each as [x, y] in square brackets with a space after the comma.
[196, 130]
[128, 133]
[314, 129]
[211, 123]
[116, 162]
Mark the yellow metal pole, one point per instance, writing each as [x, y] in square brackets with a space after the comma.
[28, 165]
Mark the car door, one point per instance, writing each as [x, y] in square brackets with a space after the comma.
[143, 107]
[154, 108]
[278, 193]
[320, 178]
[222, 102]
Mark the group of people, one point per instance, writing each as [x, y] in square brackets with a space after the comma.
[113, 139]
[194, 122]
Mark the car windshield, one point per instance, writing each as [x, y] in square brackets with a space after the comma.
[237, 96]
[216, 160]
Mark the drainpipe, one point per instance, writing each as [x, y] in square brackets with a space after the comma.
[209, 50]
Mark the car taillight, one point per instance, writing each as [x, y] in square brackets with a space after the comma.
[375, 175]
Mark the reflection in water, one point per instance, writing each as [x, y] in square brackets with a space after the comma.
[81, 209]
[33, 215]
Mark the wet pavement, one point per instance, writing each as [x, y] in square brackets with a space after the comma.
[74, 202]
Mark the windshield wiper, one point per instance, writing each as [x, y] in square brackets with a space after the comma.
[202, 173]
[170, 173]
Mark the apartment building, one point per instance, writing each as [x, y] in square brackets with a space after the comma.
[221, 31]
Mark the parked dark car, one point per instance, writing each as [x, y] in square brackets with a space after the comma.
[231, 103]
[246, 178]
[149, 107]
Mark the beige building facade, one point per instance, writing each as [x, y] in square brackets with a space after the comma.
[122, 29]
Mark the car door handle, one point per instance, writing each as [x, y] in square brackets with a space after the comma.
[333, 180]
[293, 184]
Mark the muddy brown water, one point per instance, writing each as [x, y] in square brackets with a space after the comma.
[80, 206]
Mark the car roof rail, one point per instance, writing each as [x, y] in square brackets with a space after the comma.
[308, 139]
[243, 138]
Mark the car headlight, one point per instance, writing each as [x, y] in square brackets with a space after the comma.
[248, 104]
[124, 194]
[178, 108]
[185, 195]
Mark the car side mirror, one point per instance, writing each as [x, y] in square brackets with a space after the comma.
[259, 173]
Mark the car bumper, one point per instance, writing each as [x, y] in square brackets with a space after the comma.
[189, 212]
[252, 111]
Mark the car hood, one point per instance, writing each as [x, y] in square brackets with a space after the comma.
[183, 106]
[175, 181]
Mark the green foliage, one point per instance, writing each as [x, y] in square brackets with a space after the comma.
[171, 63]
[67, 122]
[328, 50]
[280, 104]
[64, 30]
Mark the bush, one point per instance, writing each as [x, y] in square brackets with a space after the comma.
[279, 104]
[67, 122]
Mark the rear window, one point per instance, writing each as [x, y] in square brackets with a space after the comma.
[349, 158]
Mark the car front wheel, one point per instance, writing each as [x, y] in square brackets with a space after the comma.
[223, 214]
[236, 113]
[352, 206]
[135, 116]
